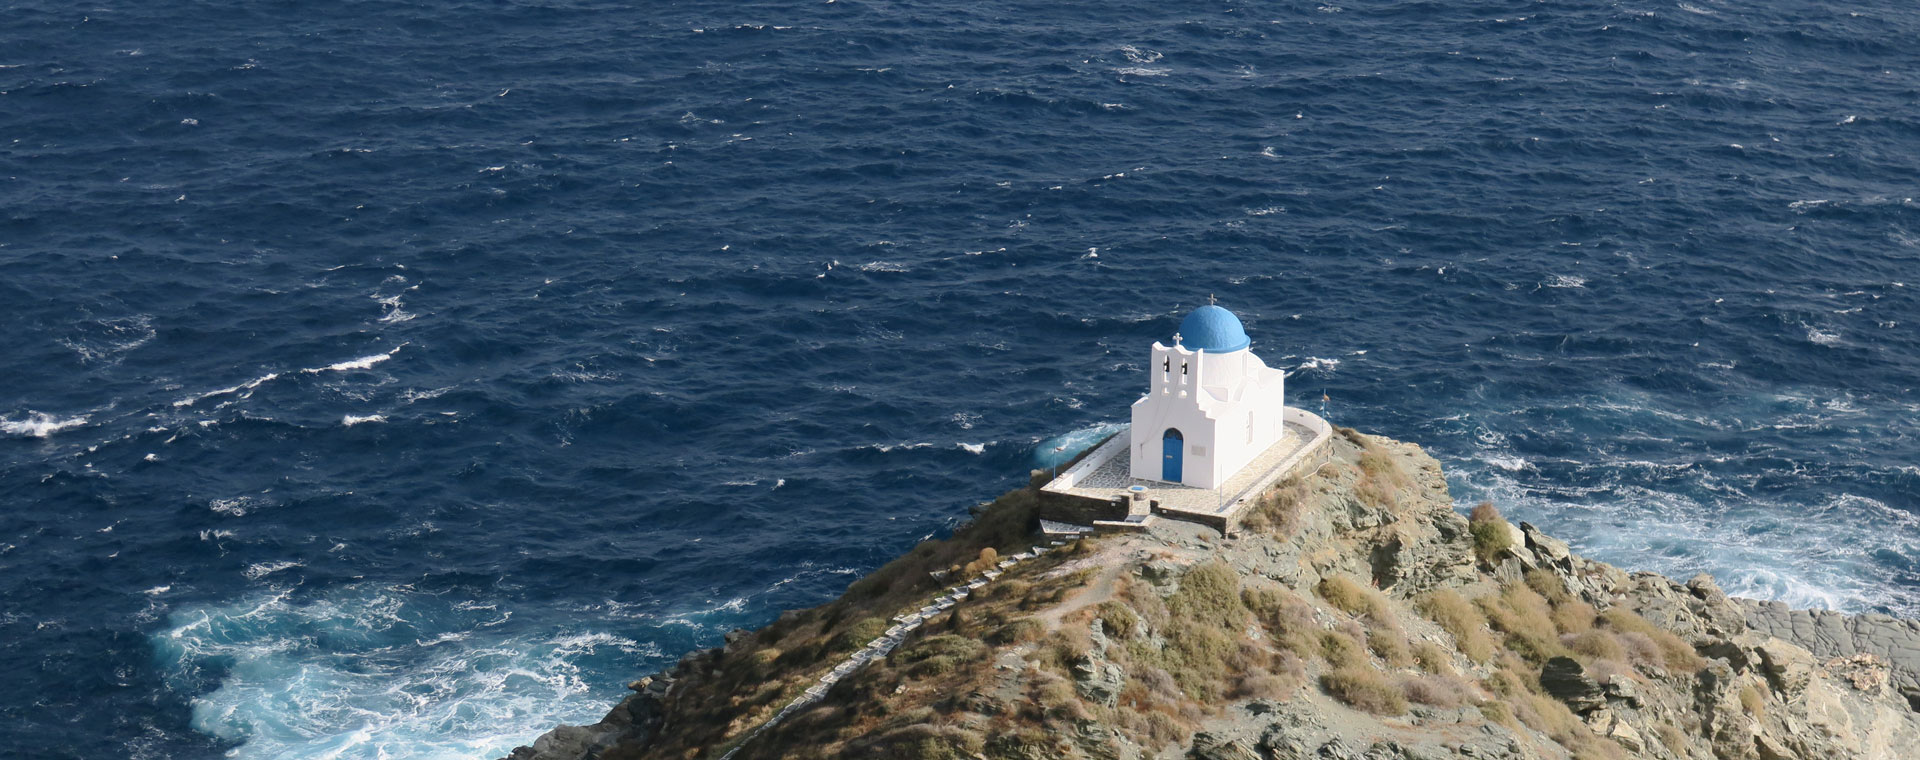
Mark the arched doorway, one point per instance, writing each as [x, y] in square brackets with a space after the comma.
[1170, 445]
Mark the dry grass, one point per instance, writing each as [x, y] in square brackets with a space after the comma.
[1459, 618]
[1350, 597]
[1594, 645]
[1675, 741]
[1288, 619]
[1365, 690]
[1523, 615]
[1278, 510]
[1752, 701]
[1390, 643]
[1675, 655]
[1432, 659]
[1438, 691]
[1491, 538]
[982, 562]
[1022, 631]
[1381, 480]
[1342, 648]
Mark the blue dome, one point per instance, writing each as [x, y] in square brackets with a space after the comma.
[1214, 330]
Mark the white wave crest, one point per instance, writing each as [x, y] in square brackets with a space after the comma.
[39, 425]
[364, 362]
[246, 389]
[354, 419]
[1316, 363]
[259, 570]
[974, 448]
[363, 672]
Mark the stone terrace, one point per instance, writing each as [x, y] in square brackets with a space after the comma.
[1104, 474]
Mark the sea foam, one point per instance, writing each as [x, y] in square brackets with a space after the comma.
[39, 425]
[369, 671]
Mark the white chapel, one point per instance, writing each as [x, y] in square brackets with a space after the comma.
[1211, 406]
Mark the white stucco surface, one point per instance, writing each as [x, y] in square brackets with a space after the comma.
[1229, 409]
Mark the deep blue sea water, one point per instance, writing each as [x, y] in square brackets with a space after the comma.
[392, 379]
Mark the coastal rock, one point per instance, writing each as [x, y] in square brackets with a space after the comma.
[1318, 633]
[1208, 746]
[1098, 680]
[1565, 679]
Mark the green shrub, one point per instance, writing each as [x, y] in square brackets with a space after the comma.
[935, 655]
[858, 634]
[1491, 537]
[1365, 690]
[923, 741]
[1008, 589]
[1209, 592]
[1119, 620]
[1020, 631]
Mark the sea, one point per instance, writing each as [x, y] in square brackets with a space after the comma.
[391, 379]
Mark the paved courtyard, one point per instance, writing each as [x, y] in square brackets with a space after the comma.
[1111, 478]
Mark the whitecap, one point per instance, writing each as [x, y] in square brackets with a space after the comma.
[1315, 362]
[974, 448]
[1508, 463]
[247, 386]
[39, 425]
[1566, 281]
[352, 419]
[882, 266]
[1823, 337]
[1141, 71]
[237, 506]
[393, 311]
[259, 570]
[364, 362]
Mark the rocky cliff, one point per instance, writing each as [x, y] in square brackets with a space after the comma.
[1356, 615]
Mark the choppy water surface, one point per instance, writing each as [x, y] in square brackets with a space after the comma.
[396, 379]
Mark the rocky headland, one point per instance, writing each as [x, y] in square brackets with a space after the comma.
[1354, 614]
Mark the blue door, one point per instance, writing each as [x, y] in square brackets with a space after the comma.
[1170, 456]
